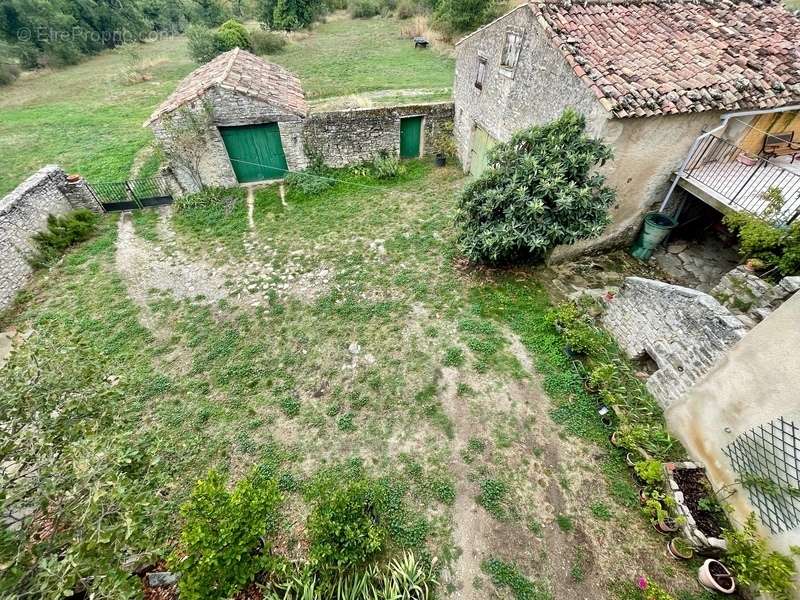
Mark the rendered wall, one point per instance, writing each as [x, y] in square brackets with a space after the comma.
[757, 381]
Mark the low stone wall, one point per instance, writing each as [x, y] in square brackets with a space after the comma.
[684, 331]
[751, 298]
[23, 213]
[347, 137]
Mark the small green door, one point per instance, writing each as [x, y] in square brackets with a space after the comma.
[482, 142]
[410, 134]
[255, 151]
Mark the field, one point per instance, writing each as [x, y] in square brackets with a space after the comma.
[88, 118]
[319, 339]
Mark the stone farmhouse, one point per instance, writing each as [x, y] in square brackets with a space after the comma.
[650, 76]
[257, 125]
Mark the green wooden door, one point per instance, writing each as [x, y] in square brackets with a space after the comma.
[410, 136]
[255, 151]
[482, 142]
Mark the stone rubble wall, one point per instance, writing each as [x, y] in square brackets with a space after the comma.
[347, 137]
[684, 331]
[751, 298]
[24, 213]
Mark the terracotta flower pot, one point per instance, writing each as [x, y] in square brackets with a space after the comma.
[746, 160]
[614, 439]
[714, 576]
[666, 526]
[677, 552]
[73, 178]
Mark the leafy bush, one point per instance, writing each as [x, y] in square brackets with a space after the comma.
[407, 9]
[777, 247]
[344, 529]
[539, 191]
[266, 42]
[290, 15]
[453, 17]
[232, 34]
[226, 537]
[363, 9]
[62, 232]
[203, 44]
[310, 182]
[753, 564]
[8, 72]
[650, 471]
[210, 198]
[387, 166]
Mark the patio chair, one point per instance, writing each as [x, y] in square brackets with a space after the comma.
[780, 144]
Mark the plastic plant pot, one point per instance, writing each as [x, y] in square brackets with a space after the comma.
[657, 226]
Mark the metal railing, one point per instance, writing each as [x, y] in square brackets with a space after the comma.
[132, 194]
[715, 164]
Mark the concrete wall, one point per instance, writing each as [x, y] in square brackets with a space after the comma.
[24, 213]
[756, 382]
[352, 136]
[646, 150]
[683, 330]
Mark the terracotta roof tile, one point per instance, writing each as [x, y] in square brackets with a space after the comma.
[649, 57]
[242, 72]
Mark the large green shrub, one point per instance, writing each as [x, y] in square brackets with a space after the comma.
[344, 528]
[61, 233]
[540, 190]
[453, 17]
[753, 564]
[777, 246]
[226, 537]
[290, 15]
[232, 34]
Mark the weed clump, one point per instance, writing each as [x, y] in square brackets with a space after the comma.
[62, 233]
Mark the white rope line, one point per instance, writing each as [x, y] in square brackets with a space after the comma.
[307, 174]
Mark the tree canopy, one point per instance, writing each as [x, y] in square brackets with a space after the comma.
[540, 190]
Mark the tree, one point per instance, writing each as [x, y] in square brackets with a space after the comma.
[290, 14]
[233, 34]
[186, 143]
[539, 191]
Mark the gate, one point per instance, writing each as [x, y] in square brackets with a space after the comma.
[133, 194]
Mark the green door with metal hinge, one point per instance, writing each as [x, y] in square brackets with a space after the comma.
[482, 142]
[255, 151]
[410, 137]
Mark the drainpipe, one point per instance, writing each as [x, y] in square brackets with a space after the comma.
[725, 118]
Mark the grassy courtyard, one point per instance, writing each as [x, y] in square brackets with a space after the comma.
[331, 337]
[88, 118]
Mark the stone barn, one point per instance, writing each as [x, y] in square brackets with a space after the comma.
[250, 116]
[671, 85]
[240, 119]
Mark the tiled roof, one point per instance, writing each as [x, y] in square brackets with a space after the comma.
[650, 57]
[242, 72]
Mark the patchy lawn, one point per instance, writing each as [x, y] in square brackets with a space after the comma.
[335, 334]
[88, 118]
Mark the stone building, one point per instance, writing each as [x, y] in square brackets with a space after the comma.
[649, 76]
[255, 125]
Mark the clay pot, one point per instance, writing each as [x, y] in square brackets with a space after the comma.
[614, 441]
[679, 553]
[714, 576]
[73, 178]
[666, 526]
[746, 160]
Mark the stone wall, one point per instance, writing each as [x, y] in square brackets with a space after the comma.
[341, 137]
[348, 137]
[751, 298]
[23, 213]
[684, 331]
[538, 90]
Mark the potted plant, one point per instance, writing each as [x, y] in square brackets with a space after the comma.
[650, 471]
[748, 159]
[443, 144]
[714, 576]
[680, 549]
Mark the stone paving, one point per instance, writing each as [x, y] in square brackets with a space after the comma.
[696, 264]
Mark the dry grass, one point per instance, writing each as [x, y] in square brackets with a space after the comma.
[141, 70]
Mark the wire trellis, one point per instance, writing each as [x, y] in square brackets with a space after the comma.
[767, 460]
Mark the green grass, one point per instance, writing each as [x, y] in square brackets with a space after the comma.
[506, 575]
[87, 119]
